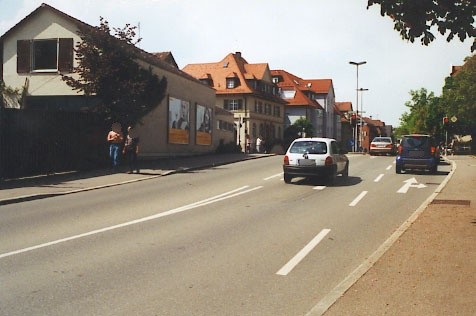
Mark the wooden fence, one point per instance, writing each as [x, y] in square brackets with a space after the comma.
[34, 142]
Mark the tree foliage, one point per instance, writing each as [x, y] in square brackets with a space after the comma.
[424, 115]
[459, 98]
[295, 130]
[107, 68]
[416, 18]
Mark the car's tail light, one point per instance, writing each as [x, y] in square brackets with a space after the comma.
[286, 160]
[433, 150]
[329, 161]
[400, 149]
[389, 146]
[373, 145]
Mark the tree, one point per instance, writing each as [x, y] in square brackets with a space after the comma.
[424, 114]
[459, 98]
[108, 69]
[415, 18]
[295, 130]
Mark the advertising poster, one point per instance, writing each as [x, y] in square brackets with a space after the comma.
[179, 121]
[204, 125]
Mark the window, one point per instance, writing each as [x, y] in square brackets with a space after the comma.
[233, 105]
[230, 83]
[45, 55]
[267, 108]
[288, 94]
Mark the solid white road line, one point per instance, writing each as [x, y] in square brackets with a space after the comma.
[288, 267]
[273, 176]
[210, 200]
[319, 187]
[389, 167]
[358, 198]
[379, 178]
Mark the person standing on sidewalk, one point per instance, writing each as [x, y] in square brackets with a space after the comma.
[115, 139]
[259, 144]
[131, 149]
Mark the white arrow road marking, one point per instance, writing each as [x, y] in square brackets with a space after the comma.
[389, 167]
[379, 178]
[410, 183]
[358, 198]
[288, 267]
[213, 199]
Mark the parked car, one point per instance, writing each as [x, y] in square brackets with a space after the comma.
[382, 145]
[315, 157]
[417, 152]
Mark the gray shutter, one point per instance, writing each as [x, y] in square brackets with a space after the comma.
[23, 56]
[65, 56]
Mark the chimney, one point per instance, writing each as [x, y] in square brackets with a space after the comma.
[238, 54]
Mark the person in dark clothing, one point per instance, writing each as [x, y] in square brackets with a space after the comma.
[131, 149]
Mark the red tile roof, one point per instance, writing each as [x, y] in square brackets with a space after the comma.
[344, 106]
[232, 66]
[291, 82]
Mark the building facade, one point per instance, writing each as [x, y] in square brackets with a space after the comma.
[247, 90]
[40, 48]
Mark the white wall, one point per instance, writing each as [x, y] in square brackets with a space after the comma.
[45, 25]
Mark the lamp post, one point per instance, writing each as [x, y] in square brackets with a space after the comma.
[361, 113]
[357, 64]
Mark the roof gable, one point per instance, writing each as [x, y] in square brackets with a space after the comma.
[232, 65]
[37, 11]
[165, 63]
[292, 82]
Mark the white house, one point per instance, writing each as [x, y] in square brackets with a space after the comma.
[38, 49]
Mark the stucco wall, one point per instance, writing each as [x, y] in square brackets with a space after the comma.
[44, 25]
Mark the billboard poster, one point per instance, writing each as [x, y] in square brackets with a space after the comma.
[179, 121]
[204, 125]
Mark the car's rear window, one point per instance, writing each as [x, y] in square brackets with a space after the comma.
[415, 141]
[382, 140]
[310, 147]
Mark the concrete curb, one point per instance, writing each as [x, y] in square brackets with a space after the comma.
[39, 196]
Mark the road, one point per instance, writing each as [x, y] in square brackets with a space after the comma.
[231, 240]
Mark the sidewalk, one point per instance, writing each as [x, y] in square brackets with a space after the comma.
[431, 268]
[428, 269]
[25, 189]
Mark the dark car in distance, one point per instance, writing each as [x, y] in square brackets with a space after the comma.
[417, 152]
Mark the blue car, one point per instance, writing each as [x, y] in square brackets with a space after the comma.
[417, 152]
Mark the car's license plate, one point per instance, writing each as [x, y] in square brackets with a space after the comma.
[307, 162]
[381, 146]
[416, 153]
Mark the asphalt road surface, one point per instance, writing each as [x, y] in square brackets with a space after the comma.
[230, 240]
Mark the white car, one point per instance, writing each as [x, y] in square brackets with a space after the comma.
[382, 145]
[315, 157]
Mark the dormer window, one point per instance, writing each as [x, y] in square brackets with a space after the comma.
[231, 83]
[232, 80]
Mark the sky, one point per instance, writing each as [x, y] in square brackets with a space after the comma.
[312, 39]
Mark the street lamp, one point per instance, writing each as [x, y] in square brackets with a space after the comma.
[357, 64]
[361, 113]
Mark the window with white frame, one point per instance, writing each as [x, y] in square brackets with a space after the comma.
[233, 105]
[230, 83]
